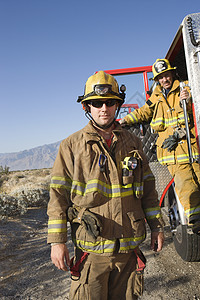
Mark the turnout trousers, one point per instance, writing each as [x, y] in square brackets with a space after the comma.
[107, 278]
[187, 186]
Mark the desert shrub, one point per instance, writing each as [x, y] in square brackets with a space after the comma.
[10, 206]
[4, 170]
[18, 203]
[3, 178]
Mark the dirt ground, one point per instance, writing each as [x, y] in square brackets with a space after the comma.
[26, 271]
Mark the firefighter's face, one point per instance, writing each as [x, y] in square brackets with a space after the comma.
[166, 79]
[105, 114]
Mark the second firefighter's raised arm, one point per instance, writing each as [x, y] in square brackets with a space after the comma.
[142, 114]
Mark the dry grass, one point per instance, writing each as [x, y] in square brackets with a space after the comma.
[20, 190]
[31, 179]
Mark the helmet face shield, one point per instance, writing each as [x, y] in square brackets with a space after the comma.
[102, 89]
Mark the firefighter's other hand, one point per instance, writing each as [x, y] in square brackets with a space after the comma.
[157, 240]
[122, 121]
[171, 142]
[60, 256]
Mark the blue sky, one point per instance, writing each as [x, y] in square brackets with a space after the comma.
[48, 49]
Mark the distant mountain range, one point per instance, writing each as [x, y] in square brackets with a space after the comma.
[35, 158]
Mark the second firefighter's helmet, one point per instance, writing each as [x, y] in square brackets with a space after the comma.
[161, 66]
[102, 86]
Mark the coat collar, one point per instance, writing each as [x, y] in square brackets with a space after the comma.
[92, 134]
[175, 85]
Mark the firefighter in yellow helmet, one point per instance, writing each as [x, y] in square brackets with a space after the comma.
[102, 184]
[98, 87]
[165, 113]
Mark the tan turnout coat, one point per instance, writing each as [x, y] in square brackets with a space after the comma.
[121, 207]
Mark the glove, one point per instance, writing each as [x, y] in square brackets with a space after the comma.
[85, 218]
[171, 142]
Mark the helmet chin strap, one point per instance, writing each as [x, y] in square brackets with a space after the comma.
[89, 116]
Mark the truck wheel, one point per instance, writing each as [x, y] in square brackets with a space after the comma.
[187, 244]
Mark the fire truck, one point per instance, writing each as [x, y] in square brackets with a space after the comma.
[184, 54]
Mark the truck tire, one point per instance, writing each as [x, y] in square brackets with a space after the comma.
[186, 243]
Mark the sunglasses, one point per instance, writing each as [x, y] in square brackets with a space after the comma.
[100, 103]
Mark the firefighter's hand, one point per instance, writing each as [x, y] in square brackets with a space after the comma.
[122, 122]
[184, 95]
[157, 240]
[60, 256]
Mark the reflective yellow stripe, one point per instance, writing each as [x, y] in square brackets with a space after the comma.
[157, 216]
[192, 211]
[96, 185]
[180, 158]
[148, 176]
[157, 122]
[168, 122]
[57, 226]
[152, 209]
[166, 159]
[59, 221]
[185, 157]
[132, 117]
[57, 230]
[108, 246]
[60, 182]
[153, 212]
[130, 243]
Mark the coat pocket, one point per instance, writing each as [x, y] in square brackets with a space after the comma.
[80, 235]
[139, 273]
[138, 283]
[79, 289]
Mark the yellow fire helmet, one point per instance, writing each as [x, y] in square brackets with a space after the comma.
[102, 86]
[161, 66]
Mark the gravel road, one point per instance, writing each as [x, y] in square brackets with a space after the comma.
[26, 271]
